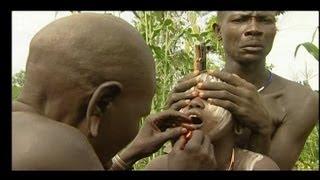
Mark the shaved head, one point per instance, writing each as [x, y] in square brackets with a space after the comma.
[75, 54]
[93, 72]
[92, 48]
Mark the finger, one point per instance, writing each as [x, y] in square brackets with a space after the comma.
[223, 95]
[189, 76]
[232, 107]
[196, 140]
[246, 83]
[228, 78]
[171, 133]
[220, 86]
[185, 85]
[241, 92]
[166, 119]
[179, 145]
[180, 104]
[190, 126]
[175, 97]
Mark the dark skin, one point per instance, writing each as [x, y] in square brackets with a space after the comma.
[84, 96]
[218, 126]
[277, 120]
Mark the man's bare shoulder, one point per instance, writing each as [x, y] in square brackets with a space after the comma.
[43, 144]
[302, 106]
[265, 163]
[298, 98]
[295, 90]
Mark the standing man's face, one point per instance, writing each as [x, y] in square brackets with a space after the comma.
[247, 35]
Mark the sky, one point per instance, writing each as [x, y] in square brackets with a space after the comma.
[294, 27]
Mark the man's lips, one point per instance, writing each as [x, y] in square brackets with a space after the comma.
[252, 47]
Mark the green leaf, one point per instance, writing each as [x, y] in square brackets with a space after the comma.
[171, 28]
[195, 29]
[195, 35]
[192, 17]
[204, 33]
[311, 48]
[167, 22]
[158, 51]
[156, 32]
[159, 15]
[314, 34]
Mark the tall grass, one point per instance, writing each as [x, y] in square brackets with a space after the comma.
[309, 157]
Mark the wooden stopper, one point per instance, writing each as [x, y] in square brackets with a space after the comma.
[199, 63]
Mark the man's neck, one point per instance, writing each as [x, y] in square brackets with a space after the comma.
[223, 151]
[255, 72]
[21, 106]
[55, 109]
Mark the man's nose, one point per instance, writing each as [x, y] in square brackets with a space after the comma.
[253, 29]
[196, 103]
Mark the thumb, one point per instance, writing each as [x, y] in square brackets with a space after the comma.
[235, 75]
[179, 145]
[172, 133]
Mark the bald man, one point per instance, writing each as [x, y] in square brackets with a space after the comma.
[89, 80]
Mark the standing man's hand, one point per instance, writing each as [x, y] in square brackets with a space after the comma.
[180, 96]
[234, 94]
[241, 98]
[196, 154]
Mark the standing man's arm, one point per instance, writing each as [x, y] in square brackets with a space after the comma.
[291, 136]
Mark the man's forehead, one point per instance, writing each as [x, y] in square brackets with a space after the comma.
[251, 13]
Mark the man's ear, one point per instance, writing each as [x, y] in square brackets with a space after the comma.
[100, 101]
[216, 29]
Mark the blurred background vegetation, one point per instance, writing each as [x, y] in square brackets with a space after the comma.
[171, 35]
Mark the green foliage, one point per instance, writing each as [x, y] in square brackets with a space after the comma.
[15, 92]
[17, 84]
[311, 48]
[18, 79]
[309, 157]
[172, 37]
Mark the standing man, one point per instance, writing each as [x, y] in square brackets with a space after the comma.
[276, 114]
